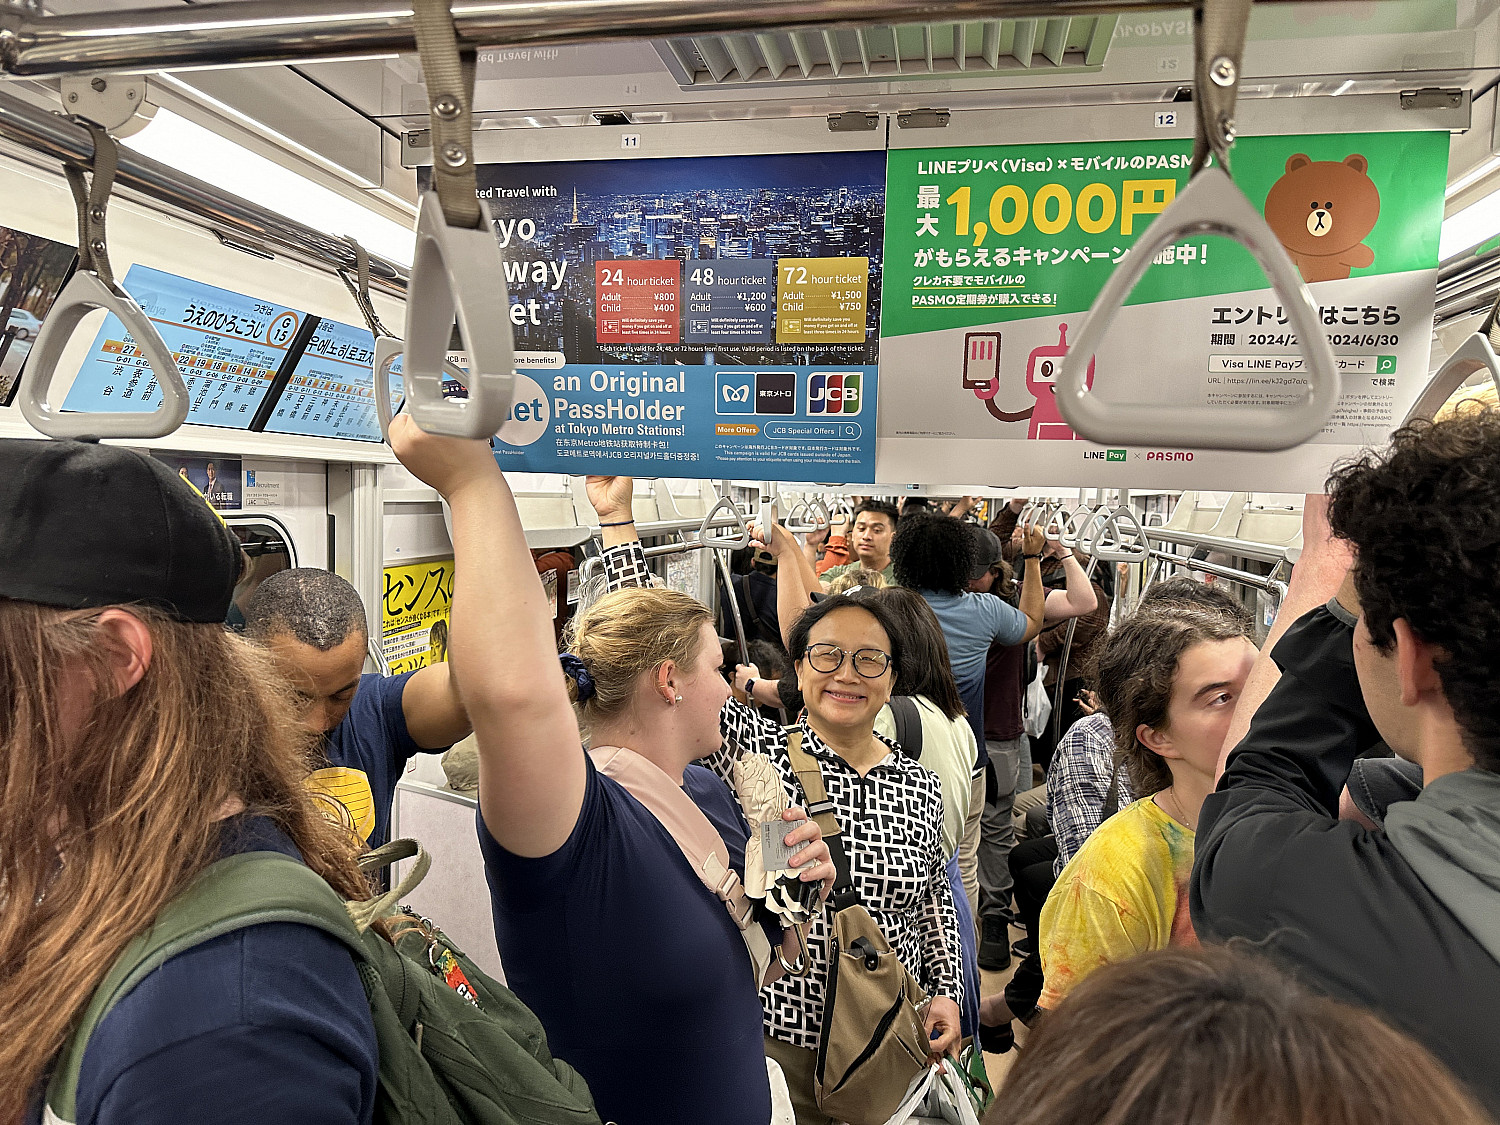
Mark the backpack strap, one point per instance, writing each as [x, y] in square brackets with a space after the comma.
[239, 891]
[820, 808]
[908, 725]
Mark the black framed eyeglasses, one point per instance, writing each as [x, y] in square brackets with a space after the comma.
[870, 663]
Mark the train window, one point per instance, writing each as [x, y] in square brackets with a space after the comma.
[269, 548]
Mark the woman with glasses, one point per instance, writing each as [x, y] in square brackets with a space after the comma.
[846, 654]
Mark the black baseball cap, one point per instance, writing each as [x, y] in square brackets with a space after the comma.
[986, 550]
[85, 525]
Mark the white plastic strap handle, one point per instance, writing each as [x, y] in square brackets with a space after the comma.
[1110, 547]
[1210, 204]
[92, 287]
[1091, 528]
[388, 350]
[1474, 355]
[766, 514]
[741, 536]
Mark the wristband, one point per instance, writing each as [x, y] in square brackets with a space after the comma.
[1035, 556]
[622, 523]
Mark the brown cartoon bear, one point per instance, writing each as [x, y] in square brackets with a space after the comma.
[1321, 210]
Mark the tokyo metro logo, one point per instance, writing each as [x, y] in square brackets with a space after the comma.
[834, 392]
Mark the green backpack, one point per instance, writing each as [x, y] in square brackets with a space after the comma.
[456, 1047]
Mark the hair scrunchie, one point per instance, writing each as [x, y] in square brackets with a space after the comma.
[576, 671]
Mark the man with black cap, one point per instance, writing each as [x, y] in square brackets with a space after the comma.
[140, 742]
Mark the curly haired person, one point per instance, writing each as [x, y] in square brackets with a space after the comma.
[1405, 920]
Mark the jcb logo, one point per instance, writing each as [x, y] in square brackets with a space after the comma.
[834, 392]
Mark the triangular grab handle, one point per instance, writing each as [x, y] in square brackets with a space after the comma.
[1209, 204]
[1090, 528]
[1474, 355]
[741, 537]
[85, 292]
[388, 350]
[1110, 547]
[457, 273]
[807, 516]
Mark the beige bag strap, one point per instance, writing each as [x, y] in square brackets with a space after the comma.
[695, 834]
[370, 910]
[820, 808]
[810, 775]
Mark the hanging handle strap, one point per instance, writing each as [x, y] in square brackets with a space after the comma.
[92, 201]
[359, 289]
[91, 287]
[1218, 48]
[448, 73]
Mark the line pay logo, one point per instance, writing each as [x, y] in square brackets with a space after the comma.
[834, 392]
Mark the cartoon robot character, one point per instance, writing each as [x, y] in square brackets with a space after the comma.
[1041, 377]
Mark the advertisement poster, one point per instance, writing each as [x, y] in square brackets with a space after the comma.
[33, 271]
[218, 478]
[700, 317]
[996, 253]
[414, 615]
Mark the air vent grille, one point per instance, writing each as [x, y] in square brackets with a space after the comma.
[980, 48]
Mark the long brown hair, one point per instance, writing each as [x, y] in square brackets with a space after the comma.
[1134, 671]
[100, 830]
[1188, 1037]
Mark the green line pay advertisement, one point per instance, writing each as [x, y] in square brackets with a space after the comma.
[995, 254]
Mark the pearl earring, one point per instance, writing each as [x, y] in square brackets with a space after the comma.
[677, 699]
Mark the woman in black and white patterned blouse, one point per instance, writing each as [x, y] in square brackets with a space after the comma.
[889, 807]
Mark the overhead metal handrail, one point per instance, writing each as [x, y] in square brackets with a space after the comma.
[1209, 204]
[1241, 548]
[62, 138]
[93, 286]
[265, 32]
[1273, 586]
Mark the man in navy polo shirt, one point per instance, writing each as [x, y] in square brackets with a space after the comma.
[369, 725]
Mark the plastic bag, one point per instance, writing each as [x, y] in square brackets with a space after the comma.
[937, 1096]
[1036, 704]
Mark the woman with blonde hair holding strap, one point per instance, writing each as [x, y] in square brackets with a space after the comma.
[637, 971]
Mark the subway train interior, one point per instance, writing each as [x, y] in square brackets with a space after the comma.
[1127, 277]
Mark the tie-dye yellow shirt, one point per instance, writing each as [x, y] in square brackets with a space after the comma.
[1125, 892]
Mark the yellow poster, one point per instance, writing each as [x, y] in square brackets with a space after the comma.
[414, 616]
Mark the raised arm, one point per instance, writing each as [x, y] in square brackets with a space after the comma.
[502, 649]
[1316, 578]
[795, 579]
[1033, 594]
[1077, 598]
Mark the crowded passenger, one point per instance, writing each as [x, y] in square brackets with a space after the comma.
[366, 727]
[870, 540]
[141, 741]
[847, 657]
[1404, 920]
[1186, 1037]
[1169, 678]
[990, 834]
[604, 929]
